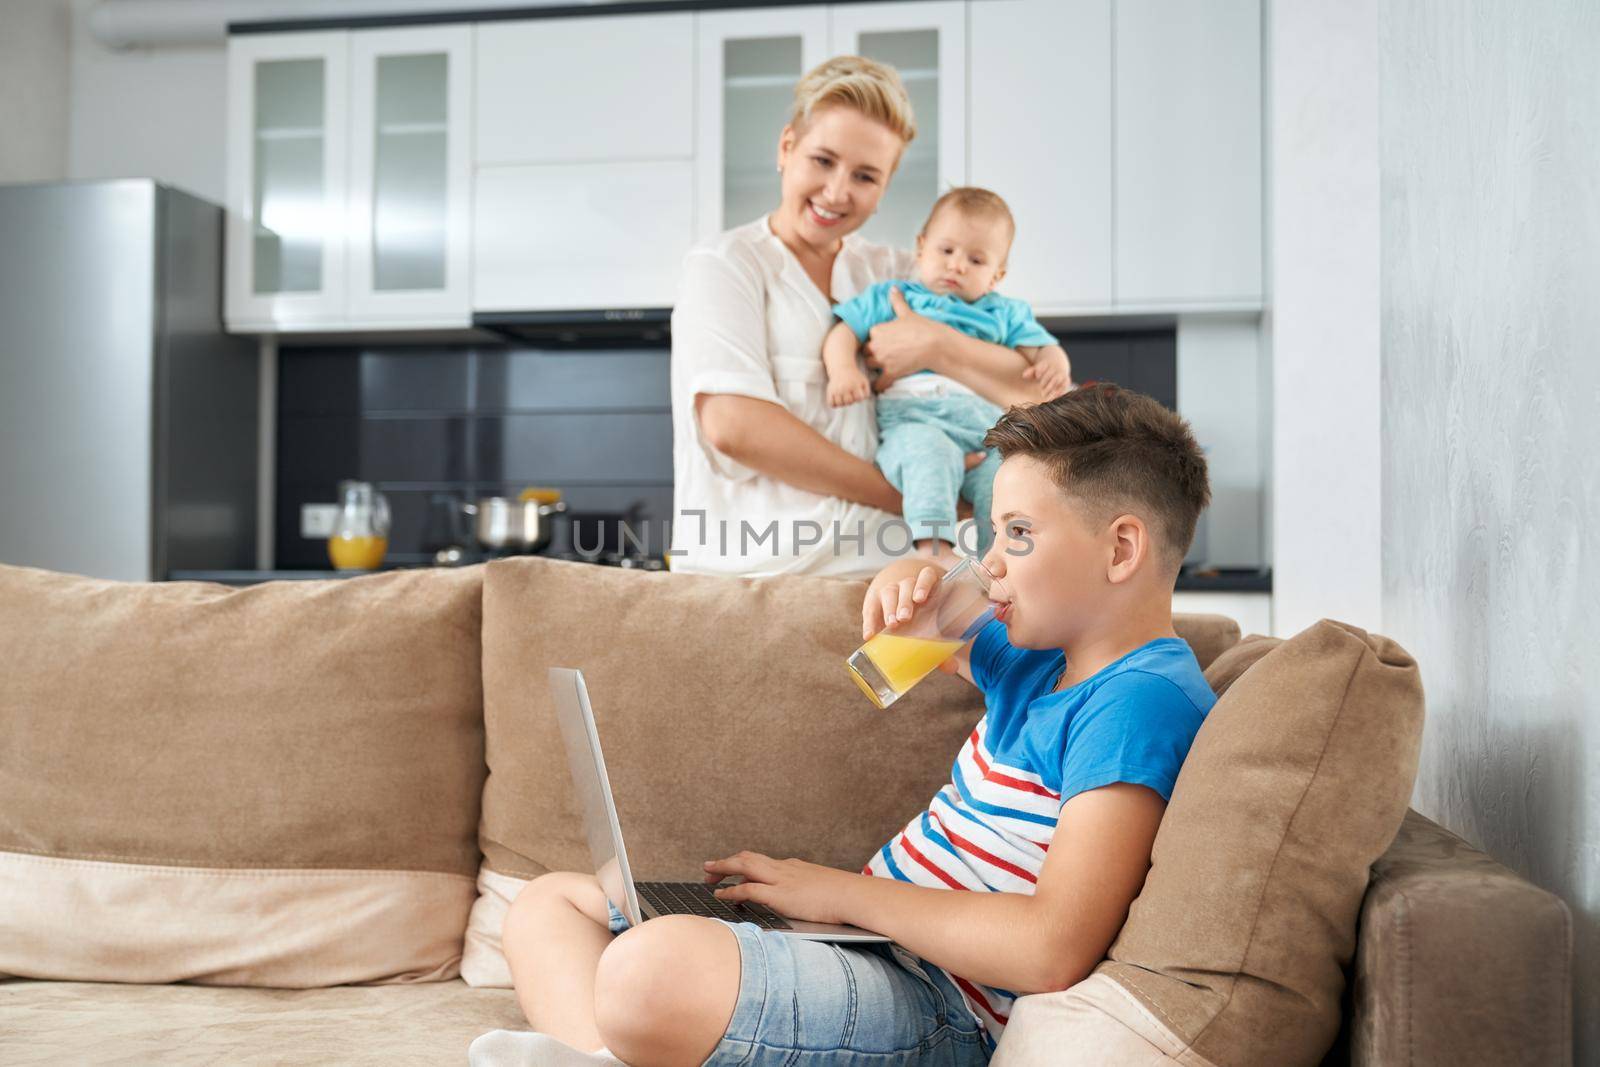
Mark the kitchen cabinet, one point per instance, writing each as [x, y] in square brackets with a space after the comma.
[410, 173]
[927, 44]
[288, 120]
[748, 63]
[1040, 136]
[1187, 139]
[593, 235]
[349, 179]
[585, 90]
[394, 177]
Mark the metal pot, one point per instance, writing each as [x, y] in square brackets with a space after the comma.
[515, 525]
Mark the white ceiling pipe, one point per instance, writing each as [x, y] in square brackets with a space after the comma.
[190, 23]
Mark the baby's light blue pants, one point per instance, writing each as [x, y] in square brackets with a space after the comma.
[922, 451]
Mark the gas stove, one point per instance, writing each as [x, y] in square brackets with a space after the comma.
[460, 557]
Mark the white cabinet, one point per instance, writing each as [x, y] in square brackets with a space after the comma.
[1252, 611]
[588, 235]
[584, 191]
[1040, 136]
[927, 44]
[585, 90]
[1188, 154]
[406, 177]
[748, 63]
[288, 118]
[349, 179]
[410, 174]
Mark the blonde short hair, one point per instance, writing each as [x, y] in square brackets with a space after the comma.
[874, 89]
[973, 202]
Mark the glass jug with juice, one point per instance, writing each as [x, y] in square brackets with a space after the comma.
[361, 533]
[892, 661]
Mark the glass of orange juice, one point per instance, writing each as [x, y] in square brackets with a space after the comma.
[892, 661]
[361, 532]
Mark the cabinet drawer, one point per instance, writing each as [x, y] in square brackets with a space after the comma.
[585, 89]
[580, 235]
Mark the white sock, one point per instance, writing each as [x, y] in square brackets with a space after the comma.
[525, 1048]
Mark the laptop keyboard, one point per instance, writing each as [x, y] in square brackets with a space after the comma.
[695, 898]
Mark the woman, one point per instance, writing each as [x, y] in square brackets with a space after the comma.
[769, 478]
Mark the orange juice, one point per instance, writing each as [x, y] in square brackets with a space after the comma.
[357, 553]
[903, 661]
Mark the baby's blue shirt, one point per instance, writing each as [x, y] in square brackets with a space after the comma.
[994, 318]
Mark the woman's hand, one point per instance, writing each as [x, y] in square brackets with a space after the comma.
[905, 345]
[794, 888]
[1053, 371]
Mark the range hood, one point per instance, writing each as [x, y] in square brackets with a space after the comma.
[584, 328]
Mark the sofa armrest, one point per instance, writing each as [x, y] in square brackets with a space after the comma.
[1458, 960]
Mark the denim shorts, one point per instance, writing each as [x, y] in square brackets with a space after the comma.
[813, 1003]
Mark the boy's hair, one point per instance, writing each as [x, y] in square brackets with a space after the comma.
[871, 88]
[1116, 451]
[972, 202]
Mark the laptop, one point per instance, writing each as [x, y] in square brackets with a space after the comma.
[639, 901]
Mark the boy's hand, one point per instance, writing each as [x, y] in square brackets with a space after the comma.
[1053, 371]
[793, 888]
[848, 388]
[894, 594]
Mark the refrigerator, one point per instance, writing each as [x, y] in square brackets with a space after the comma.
[128, 418]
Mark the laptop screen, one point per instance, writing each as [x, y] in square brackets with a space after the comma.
[593, 790]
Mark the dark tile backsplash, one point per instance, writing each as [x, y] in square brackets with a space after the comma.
[1144, 360]
[419, 421]
[471, 421]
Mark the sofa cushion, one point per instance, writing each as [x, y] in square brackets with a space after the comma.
[1296, 783]
[276, 785]
[728, 721]
[1231, 664]
[175, 1025]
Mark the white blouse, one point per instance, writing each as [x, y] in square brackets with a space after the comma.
[750, 322]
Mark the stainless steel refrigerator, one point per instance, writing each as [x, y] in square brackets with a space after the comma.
[128, 419]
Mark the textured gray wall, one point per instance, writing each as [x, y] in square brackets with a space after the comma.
[1491, 428]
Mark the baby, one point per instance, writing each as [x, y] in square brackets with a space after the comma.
[926, 421]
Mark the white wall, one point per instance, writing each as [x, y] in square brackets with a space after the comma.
[34, 89]
[1322, 176]
[148, 113]
[1491, 429]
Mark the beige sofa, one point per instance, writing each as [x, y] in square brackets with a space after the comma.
[281, 824]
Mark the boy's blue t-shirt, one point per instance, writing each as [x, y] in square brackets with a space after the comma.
[1132, 721]
[994, 318]
[990, 829]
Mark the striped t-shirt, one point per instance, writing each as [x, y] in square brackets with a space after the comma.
[1034, 750]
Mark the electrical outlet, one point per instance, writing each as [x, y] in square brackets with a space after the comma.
[318, 520]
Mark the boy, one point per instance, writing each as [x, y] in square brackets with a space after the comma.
[928, 422]
[1092, 703]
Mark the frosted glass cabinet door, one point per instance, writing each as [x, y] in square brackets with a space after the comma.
[749, 63]
[927, 44]
[287, 122]
[410, 175]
